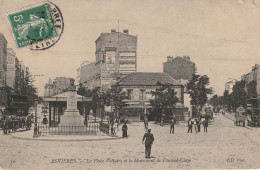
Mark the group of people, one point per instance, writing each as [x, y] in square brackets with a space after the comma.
[13, 123]
[196, 123]
[114, 128]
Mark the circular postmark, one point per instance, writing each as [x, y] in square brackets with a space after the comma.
[58, 25]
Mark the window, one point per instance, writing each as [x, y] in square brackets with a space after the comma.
[142, 94]
[129, 93]
[110, 57]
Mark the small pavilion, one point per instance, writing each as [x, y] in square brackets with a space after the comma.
[58, 103]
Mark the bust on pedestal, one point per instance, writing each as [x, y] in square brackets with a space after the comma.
[71, 115]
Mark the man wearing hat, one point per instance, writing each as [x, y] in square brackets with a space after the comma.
[148, 137]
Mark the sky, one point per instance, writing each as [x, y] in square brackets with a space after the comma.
[221, 37]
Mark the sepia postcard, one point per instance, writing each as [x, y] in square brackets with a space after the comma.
[117, 84]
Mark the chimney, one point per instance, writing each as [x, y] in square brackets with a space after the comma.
[169, 58]
[113, 30]
[186, 57]
[125, 31]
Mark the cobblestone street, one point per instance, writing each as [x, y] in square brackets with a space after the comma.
[224, 146]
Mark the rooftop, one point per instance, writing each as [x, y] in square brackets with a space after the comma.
[147, 78]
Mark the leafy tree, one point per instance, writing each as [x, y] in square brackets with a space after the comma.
[198, 90]
[239, 95]
[117, 96]
[214, 101]
[164, 98]
[217, 102]
[227, 100]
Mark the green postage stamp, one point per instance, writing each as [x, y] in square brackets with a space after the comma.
[33, 25]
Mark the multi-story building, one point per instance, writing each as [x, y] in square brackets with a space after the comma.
[179, 67]
[253, 93]
[182, 69]
[86, 74]
[3, 60]
[229, 86]
[48, 89]
[58, 86]
[13, 69]
[253, 79]
[3, 69]
[116, 56]
[24, 71]
[139, 86]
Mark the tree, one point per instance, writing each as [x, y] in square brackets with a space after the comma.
[198, 91]
[217, 102]
[227, 100]
[239, 95]
[214, 101]
[164, 98]
[117, 97]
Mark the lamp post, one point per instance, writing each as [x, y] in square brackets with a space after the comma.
[35, 134]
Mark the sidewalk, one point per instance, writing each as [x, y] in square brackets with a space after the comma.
[231, 116]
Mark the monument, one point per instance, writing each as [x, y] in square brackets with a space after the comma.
[71, 115]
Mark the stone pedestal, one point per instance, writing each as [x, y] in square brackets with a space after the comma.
[71, 115]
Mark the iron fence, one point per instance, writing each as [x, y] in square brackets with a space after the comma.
[92, 128]
[104, 127]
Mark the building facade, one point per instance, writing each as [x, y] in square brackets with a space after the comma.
[57, 86]
[13, 69]
[253, 78]
[139, 86]
[116, 56]
[253, 94]
[182, 69]
[3, 60]
[86, 74]
[229, 86]
[179, 67]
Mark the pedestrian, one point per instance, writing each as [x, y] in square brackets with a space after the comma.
[205, 124]
[195, 125]
[124, 130]
[146, 122]
[5, 126]
[198, 124]
[117, 122]
[115, 125]
[249, 120]
[149, 138]
[190, 125]
[172, 125]
[112, 128]
[45, 120]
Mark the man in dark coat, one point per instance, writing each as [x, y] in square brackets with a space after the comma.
[148, 137]
[190, 123]
[5, 126]
[198, 124]
[206, 125]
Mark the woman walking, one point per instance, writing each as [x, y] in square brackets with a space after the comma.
[124, 129]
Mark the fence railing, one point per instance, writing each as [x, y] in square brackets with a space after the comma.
[104, 127]
[92, 128]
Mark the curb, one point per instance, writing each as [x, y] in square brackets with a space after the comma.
[63, 140]
[234, 120]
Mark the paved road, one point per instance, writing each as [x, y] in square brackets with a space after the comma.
[224, 146]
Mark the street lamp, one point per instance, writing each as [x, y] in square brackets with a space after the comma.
[35, 134]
